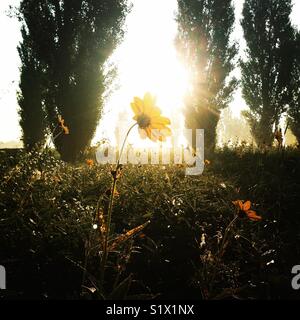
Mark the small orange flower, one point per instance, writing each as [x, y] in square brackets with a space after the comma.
[61, 122]
[90, 162]
[245, 208]
[207, 162]
[66, 130]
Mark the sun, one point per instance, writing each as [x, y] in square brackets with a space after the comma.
[147, 61]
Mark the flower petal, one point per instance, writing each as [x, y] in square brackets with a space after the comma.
[149, 101]
[160, 135]
[253, 216]
[134, 108]
[166, 131]
[162, 139]
[157, 126]
[151, 134]
[246, 205]
[161, 120]
[155, 134]
[137, 105]
[143, 133]
[154, 112]
[65, 129]
[238, 204]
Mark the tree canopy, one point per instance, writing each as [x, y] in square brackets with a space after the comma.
[266, 72]
[72, 40]
[204, 43]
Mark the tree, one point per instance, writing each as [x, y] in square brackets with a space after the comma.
[73, 40]
[32, 113]
[203, 41]
[294, 108]
[266, 73]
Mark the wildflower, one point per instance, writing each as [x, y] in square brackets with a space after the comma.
[207, 162]
[66, 130]
[148, 117]
[61, 122]
[90, 162]
[244, 207]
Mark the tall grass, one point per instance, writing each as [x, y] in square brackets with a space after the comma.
[47, 213]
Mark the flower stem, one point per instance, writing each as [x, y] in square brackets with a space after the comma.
[110, 206]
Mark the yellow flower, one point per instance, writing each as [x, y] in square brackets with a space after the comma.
[90, 162]
[207, 162]
[61, 122]
[149, 119]
[245, 208]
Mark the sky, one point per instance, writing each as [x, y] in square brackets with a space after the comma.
[146, 59]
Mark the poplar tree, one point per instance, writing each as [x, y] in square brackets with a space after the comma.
[294, 108]
[72, 41]
[266, 71]
[31, 111]
[204, 43]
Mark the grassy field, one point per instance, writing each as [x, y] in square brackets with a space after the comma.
[51, 233]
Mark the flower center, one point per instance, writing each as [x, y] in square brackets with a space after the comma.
[143, 121]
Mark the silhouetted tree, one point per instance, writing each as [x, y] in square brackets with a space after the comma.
[73, 40]
[32, 113]
[266, 72]
[294, 109]
[204, 30]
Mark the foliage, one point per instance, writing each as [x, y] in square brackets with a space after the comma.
[48, 212]
[267, 70]
[71, 41]
[294, 108]
[32, 112]
[203, 41]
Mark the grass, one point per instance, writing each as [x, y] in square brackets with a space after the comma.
[48, 209]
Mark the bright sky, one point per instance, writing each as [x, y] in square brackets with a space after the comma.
[146, 59]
